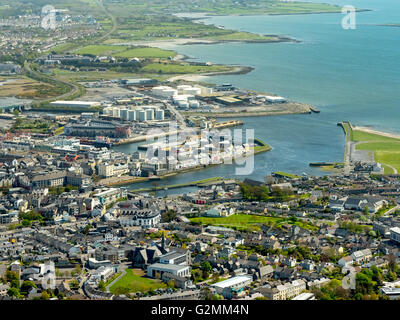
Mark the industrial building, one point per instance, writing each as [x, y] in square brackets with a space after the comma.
[79, 104]
[93, 128]
[229, 287]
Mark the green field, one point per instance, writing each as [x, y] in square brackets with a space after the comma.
[222, 7]
[249, 222]
[100, 50]
[126, 52]
[134, 281]
[386, 149]
[171, 68]
[146, 53]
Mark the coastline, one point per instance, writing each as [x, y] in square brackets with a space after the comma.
[260, 148]
[380, 133]
[290, 108]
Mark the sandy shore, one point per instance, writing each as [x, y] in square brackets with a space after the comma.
[384, 134]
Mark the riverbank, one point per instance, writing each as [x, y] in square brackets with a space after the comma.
[260, 147]
[197, 183]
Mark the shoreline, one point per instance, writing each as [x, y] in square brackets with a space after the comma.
[380, 133]
[206, 15]
[261, 147]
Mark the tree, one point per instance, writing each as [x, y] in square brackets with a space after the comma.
[11, 275]
[171, 284]
[45, 296]
[102, 286]
[27, 285]
[206, 294]
[168, 216]
[13, 292]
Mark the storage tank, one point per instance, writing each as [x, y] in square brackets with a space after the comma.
[192, 91]
[183, 105]
[124, 114]
[194, 104]
[137, 111]
[131, 115]
[142, 115]
[116, 112]
[150, 114]
[159, 114]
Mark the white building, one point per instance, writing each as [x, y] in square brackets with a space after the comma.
[229, 287]
[395, 234]
[80, 104]
[160, 268]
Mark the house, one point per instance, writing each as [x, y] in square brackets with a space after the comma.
[219, 211]
[362, 255]
[346, 261]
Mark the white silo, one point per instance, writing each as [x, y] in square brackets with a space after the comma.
[150, 114]
[124, 114]
[142, 115]
[116, 112]
[159, 114]
[131, 115]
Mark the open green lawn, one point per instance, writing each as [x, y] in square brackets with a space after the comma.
[249, 222]
[100, 50]
[126, 51]
[366, 136]
[178, 68]
[146, 53]
[386, 150]
[133, 281]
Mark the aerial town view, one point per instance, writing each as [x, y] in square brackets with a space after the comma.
[229, 151]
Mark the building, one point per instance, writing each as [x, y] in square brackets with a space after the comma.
[75, 104]
[161, 268]
[92, 263]
[304, 296]
[59, 178]
[96, 127]
[181, 257]
[138, 214]
[284, 291]
[395, 234]
[228, 288]
[361, 255]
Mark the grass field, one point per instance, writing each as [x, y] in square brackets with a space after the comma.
[27, 88]
[100, 50]
[134, 281]
[386, 149]
[68, 76]
[126, 52]
[171, 68]
[249, 222]
[146, 53]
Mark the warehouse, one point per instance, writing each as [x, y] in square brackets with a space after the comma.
[75, 104]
